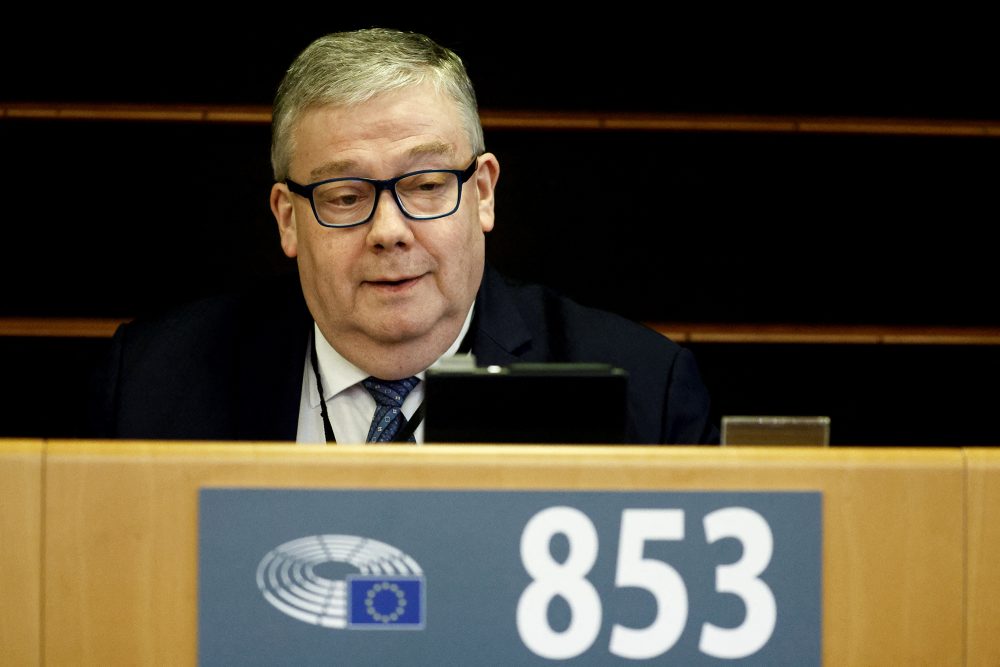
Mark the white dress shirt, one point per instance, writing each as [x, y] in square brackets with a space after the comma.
[348, 403]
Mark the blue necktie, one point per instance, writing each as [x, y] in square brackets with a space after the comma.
[389, 397]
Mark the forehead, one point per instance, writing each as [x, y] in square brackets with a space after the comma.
[392, 128]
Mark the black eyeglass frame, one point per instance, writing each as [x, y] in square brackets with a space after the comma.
[389, 184]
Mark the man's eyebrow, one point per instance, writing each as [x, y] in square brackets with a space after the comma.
[332, 169]
[432, 148]
[336, 168]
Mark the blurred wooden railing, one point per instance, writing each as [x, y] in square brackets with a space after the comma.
[682, 332]
[495, 119]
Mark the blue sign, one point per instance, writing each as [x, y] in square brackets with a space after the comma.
[481, 577]
[379, 603]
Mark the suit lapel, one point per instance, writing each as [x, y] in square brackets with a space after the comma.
[500, 334]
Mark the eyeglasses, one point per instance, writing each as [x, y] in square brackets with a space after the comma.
[421, 195]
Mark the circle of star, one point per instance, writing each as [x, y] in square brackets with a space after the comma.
[400, 602]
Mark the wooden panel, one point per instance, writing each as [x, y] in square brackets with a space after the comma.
[807, 334]
[983, 548]
[20, 552]
[60, 327]
[537, 120]
[122, 540]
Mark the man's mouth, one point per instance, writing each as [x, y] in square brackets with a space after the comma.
[391, 283]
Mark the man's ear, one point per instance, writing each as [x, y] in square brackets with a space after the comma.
[284, 213]
[486, 183]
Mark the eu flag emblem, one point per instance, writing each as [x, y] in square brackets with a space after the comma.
[378, 602]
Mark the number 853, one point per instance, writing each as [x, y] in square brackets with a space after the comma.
[567, 580]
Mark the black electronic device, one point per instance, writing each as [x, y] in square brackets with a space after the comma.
[526, 403]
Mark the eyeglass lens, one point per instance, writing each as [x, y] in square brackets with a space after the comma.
[351, 201]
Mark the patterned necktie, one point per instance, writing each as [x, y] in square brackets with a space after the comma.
[389, 397]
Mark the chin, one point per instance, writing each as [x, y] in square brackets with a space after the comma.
[401, 330]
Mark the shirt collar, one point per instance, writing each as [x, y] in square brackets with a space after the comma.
[339, 374]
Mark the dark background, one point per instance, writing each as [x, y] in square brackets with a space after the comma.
[940, 65]
[112, 218]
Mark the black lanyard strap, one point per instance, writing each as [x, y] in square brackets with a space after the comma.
[327, 426]
[411, 425]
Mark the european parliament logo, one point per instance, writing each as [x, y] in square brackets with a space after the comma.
[379, 603]
[386, 594]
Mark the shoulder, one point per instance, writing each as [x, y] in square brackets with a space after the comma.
[203, 344]
[217, 319]
[667, 400]
[566, 328]
[186, 372]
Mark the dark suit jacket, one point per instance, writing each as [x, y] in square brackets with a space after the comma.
[230, 368]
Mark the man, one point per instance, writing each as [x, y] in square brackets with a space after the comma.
[384, 193]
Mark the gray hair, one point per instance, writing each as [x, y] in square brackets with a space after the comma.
[349, 68]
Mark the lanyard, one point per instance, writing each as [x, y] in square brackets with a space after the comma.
[411, 425]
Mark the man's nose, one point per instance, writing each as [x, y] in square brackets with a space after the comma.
[389, 228]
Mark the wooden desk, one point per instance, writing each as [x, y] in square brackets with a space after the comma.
[911, 537]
